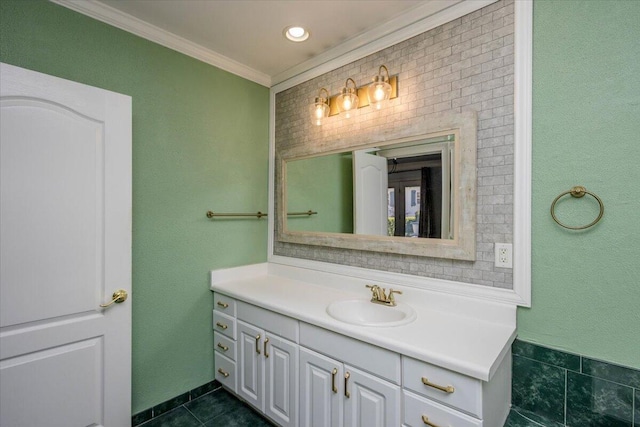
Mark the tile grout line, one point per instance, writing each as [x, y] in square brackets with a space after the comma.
[578, 372]
[194, 415]
[566, 392]
[189, 397]
[527, 418]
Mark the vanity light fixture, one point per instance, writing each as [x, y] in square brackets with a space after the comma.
[380, 90]
[348, 98]
[320, 108]
[351, 97]
[296, 33]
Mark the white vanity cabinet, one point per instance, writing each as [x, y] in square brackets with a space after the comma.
[267, 362]
[283, 357]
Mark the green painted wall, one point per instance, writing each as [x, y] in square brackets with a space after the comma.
[586, 131]
[200, 141]
[323, 184]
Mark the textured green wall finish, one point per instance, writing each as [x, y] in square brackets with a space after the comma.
[586, 131]
[200, 141]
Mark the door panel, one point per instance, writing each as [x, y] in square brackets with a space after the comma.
[52, 198]
[373, 402]
[65, 247]
[250, 365]
[320, 405]
[281, 380]
[25, 381]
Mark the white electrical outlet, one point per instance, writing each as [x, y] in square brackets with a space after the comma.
[504, 255]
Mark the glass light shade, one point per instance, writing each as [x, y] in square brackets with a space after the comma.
[379, 92]
[348, 99]
[319, 110]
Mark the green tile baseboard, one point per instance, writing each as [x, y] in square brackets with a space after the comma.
[566, 389]
[168, 405]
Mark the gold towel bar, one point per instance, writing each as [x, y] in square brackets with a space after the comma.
[257, 214]
[214, 215]
[577, 192]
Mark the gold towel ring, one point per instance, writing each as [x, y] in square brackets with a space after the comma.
[577, 191]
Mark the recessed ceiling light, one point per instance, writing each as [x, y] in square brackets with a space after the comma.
[296, 34]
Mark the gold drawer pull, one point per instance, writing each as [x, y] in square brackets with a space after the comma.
[446, 389]
[224, 374]
[223, 304]
[221, 325]
[333, 380]
[346, 382]
[258, 343]
[266, 341]
[223, 347]
[425, 420]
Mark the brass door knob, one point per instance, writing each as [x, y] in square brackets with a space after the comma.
[118, 296]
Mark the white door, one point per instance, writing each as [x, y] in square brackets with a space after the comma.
[370, 180]
[372, 402]
[65, 247]
[321, 390]
[250, 365]
[281, 380]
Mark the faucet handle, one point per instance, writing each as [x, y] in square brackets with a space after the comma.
[391, 298]
[375, 290]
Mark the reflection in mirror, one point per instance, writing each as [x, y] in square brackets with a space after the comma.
[323, 184]
[414, 195]
[402, 190]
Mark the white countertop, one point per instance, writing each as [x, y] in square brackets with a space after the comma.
[464, 335]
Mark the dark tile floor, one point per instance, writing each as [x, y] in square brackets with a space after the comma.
[219, 408]
[215, 409]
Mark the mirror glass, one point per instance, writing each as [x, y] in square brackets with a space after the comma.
[402, 189]
[414, 194]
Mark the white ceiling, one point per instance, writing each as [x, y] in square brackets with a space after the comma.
[246, 36]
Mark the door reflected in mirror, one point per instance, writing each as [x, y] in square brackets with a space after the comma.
[403, 189]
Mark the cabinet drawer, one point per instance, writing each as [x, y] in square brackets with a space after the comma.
[224, 345]
[226, 371]
[276, 323]
[416, 407]
[466, 392]
[224, 304]
[224, 324]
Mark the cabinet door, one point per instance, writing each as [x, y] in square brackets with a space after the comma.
[371, 402]
[321, 390]
[250, 364]
[281, 380]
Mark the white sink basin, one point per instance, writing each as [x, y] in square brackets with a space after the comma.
[363, 312]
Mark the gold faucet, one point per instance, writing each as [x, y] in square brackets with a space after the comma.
[379, 295]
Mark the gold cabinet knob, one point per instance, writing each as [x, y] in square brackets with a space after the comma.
[118, 296]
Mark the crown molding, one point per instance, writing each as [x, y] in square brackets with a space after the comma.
[411, 23]
[131, 24]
